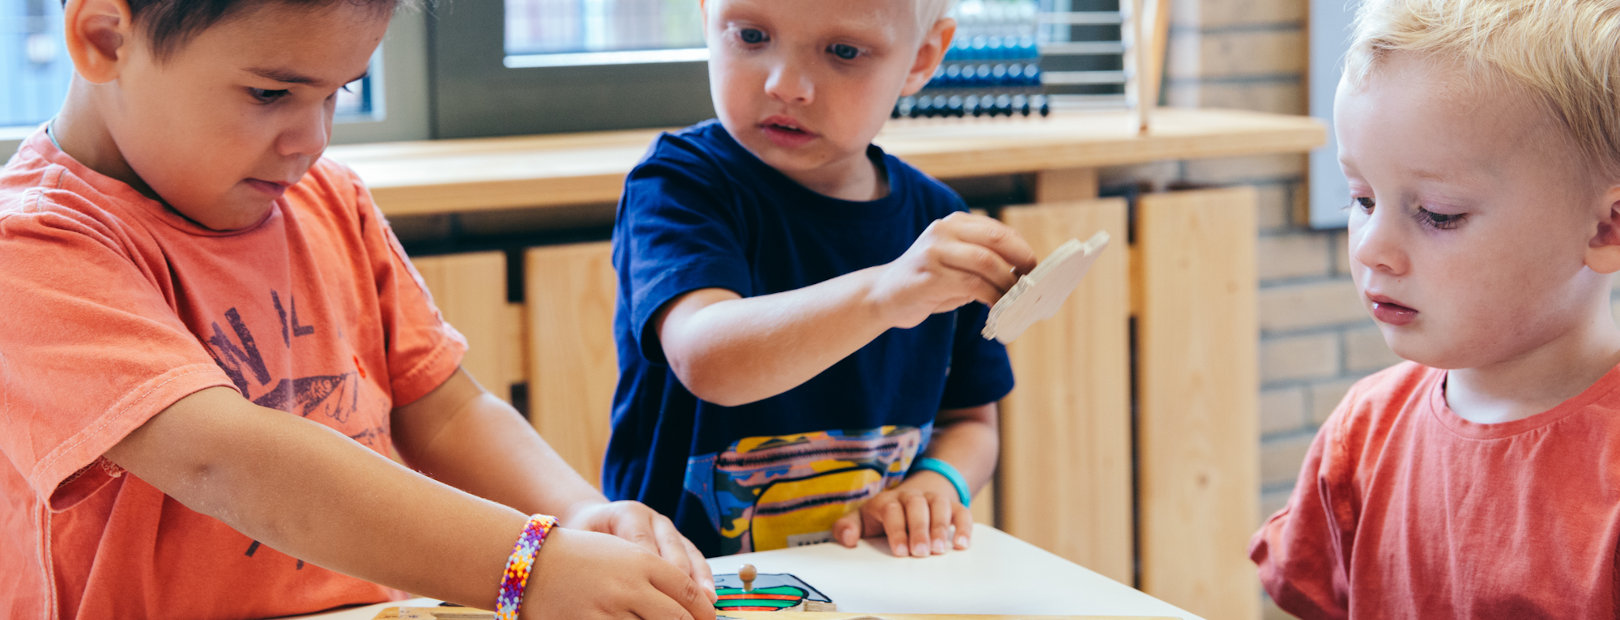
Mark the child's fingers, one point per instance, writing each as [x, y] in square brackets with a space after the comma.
[894, 524]
[636, 528]
[999, 238]
[669, 544]
[683, 598]
[977, 262]
[963, 520]
[917, 517]
[981, 292]
[701, 571]
[677, 550]
[939, 521]
[847, 529]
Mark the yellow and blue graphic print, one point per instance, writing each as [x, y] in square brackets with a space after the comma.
[766, 493]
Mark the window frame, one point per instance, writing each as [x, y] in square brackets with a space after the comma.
[476, 94]
[400, 101]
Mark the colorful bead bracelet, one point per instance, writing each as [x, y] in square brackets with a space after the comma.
[519, 564]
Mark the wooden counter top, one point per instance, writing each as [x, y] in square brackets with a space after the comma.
[449, 176]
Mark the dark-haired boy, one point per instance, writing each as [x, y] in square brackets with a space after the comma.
[212, 339]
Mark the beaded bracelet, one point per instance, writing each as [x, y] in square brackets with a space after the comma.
[518, 565]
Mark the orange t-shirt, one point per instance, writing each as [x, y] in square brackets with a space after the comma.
[1406, 510]
[114, 308]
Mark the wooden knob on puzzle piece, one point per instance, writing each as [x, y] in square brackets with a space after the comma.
[747, 574]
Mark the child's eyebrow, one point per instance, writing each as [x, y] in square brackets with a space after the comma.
[289, 77]
[1454, 176]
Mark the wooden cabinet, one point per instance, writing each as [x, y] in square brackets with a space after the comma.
[1130, 445]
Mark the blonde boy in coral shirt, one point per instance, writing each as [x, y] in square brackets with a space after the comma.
[1481, 140]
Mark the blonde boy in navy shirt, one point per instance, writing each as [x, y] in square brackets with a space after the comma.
[798, 339]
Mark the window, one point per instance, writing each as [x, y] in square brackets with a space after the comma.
[578, 65]
[35, 69]
[1082, 52]
[1330, 36]
[546, 66]
[544, 30]
[34, 65]
[542, 66]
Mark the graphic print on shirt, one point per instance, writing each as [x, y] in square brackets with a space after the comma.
[331, 399]
[765, 493]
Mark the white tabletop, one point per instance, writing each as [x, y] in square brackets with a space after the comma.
[997, 574]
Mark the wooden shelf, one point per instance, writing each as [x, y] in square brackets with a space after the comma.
[479, 174]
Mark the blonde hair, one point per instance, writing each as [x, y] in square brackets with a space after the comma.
[929, 12]
[1564, 52]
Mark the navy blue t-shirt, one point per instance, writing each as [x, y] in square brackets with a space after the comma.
[700, 211]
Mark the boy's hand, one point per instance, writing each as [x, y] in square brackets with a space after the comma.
[588, 575]
[916, 516]
[637, 523]
[958, 259]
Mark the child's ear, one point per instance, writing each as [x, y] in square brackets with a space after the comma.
[98, 33]
[928, 56]
[1603, 252]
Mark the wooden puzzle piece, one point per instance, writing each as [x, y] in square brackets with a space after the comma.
[751, 590]
[1039, 293]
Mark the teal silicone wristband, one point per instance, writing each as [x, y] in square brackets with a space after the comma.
[949, 472]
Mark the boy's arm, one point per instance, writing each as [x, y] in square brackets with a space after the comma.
[308, 491]
[731, 350]
[463, 436]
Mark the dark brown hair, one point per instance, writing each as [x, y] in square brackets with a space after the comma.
[169, 24]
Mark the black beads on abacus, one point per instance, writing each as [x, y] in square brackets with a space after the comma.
[992, 68]
[958, 106]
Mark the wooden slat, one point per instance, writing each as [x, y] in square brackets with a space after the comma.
[1197, 429]
[1147, 33]
[470, 290]
[570, 292]
[448, 176]
[1065, 476]
[1066, 185]
[1157, 40]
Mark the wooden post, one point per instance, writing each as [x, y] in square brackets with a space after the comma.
[1065, 477]
[570, 292]
[1197, 428]
[470, 291]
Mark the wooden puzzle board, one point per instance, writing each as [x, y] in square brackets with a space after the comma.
[998, 576]
[462, 613]
[840, 615]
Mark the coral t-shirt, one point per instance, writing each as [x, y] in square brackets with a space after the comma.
[115, 307]
[1406, 510]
